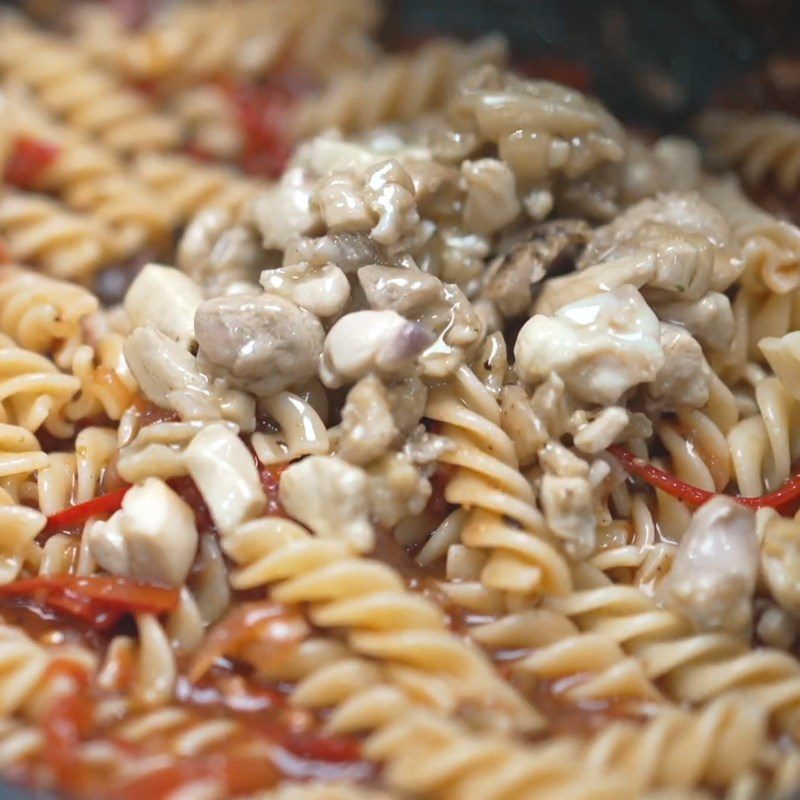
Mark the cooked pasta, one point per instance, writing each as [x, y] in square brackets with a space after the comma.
[91, 178]
[40, 231]
[398, 90]
[64, 81]
[385, 425]
[187, 187]
[759, 146]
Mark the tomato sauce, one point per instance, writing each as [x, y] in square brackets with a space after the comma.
[28, 160]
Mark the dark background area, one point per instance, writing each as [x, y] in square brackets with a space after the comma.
[655, 63]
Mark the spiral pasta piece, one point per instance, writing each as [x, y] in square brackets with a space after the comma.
[398, 89]
[384, 620]
[551, 647]
[694, 667]
[758, 146]
[43, 314]
[436, 759]
[195, 41]
[91, 178]
[683, 750]
[85, 96]
[523, 556]
[769, 246]
[40, 231]
[210, 118]
[185, 187]
[32, 390]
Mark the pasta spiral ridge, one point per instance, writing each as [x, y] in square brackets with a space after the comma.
[758, 146]
[693, 667]
[33, 392]
[43, 314]
[88, 98]
[438, 759]
[769, 247]
[398, 89]
[42, 232]
[185, 187]
[384, 620]
[91, 178]
[523, 556]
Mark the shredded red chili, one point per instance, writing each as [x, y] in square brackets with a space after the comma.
[263, 113]
[74, 516]
[67, 722]
[99, 601]
[27, 160]
[695, 496]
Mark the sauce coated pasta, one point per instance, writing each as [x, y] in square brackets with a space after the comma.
[385, 426]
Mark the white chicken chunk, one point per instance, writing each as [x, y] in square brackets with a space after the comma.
[713, 577]
[331, 497]
[153, 537]
[226, 475]
[323, 291]
[709, 320]
[166, 299]
[370, 341]
[600, 346]
[260, 342]
[684, 379]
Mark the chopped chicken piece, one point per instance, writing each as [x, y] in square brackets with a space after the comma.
[709, 319]
[331, 497]
[152, 538]
[323, 291]
[684, 378]
[491, 201]
[568, 508]
[217, 253]
[397, 289]
[367, 341]
[397, 489]
[165, 299]
[713, 576]
[367, 429]
[260, 342]
[601, 346]
[226, 475]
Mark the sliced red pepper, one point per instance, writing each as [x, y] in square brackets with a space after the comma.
[98, 600]
[27, 160]
[695, 496]
[75, 516]
[263, 113]
[67, 722]
[333, 749]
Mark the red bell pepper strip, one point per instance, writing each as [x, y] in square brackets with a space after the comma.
[27, 160]
[695, 496]
[100, 601]
[74, 516]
